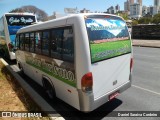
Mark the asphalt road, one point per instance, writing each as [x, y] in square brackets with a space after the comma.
[144, 95]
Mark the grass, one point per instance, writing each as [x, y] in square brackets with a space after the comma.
[107, 50]
[13, 97]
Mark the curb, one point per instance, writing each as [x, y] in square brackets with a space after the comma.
[146, 46]
[44, 106]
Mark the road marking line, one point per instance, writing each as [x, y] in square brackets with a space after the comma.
[146, 90]
[151, 56]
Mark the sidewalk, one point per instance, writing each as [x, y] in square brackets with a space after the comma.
[146, 43]
[39, 100]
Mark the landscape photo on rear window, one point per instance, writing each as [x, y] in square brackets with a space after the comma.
[108, 38]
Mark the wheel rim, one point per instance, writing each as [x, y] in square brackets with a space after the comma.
[49, 91]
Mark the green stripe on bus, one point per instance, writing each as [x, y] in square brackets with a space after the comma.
[55, 76]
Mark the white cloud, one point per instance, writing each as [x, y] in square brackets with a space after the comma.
[108, 23]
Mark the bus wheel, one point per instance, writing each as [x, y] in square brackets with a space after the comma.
[21, 69]
[3, 53]
[50, 91]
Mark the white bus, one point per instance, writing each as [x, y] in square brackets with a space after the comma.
[83, 59]
[10, 23]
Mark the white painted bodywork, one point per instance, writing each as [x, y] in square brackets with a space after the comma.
[104, 72]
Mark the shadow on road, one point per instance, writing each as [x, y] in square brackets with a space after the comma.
[65, 110]
[70, 113]
[10, 62]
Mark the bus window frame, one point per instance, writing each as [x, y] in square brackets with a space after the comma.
[50, 38]
[27, 49]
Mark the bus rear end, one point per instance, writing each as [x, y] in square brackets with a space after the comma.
[110, 57]
[15, 21]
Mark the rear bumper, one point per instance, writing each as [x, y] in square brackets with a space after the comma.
[87, 102]
[12, 55]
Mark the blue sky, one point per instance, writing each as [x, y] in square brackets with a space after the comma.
[49, 6]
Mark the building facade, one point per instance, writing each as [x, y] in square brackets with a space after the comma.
[152, 10]
[156, 2]
[111, 10]
[126, 6]
[56, 15]
[117, 7]
[144, 10]
[156, 7]
[135, 11]
[85, 11]
[140, 2]
[131, 2]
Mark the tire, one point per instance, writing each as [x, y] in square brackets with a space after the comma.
[21, 69]
[50, 91]
[3, 54]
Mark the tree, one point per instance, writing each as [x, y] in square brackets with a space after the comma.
[134, 22]
[123, 15]
[145, 20]
[41, 15]
[156, 19]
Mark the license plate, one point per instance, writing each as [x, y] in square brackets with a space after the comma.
[113, 95]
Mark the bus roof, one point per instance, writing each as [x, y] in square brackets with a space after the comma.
[48, 24]
[8, 14]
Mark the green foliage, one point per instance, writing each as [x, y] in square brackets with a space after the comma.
[134, 22]
[123, 15]
[144, 20]
[147, 20]
[156, 19]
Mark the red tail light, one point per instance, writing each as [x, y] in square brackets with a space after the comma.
[87, 82]
[10, 46]
[131, 64]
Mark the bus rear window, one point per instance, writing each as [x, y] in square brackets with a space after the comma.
[108, 37]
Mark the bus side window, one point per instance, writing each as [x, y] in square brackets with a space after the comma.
[62, 45]
[22, 41]
[27, 37]
[38, 44]
[68, 45]
[17, 42]
[45, 43]
[32, 42]
[56, 43]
